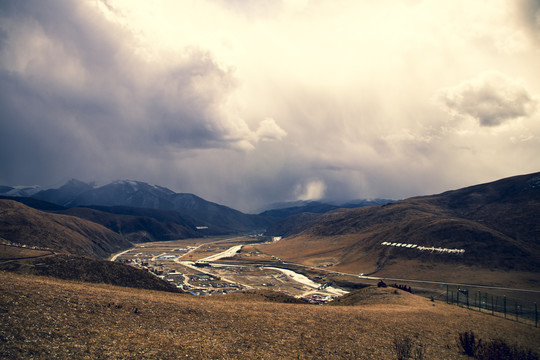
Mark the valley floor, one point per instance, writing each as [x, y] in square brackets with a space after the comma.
[46, 318]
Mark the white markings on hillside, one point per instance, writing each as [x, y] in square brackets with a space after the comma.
[436, 250]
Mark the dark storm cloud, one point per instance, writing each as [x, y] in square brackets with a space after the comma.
[529, 14]
[77, 97]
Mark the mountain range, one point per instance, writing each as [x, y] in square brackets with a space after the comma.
[142, 212]
[492, 226]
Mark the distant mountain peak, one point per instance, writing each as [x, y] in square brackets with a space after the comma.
[74, 181]
[77, 184]
[140, 185]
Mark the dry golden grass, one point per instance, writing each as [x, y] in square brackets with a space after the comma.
[61, 233]
[45, 318]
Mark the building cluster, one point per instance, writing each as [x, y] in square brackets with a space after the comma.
[156, 268]
[196, 284]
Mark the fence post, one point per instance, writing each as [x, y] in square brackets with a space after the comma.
[535, 315]
[505, 306]
[516, 310]
[492, 308]
[447, 293]
[457, 296]
[479, 301]
[467, 298]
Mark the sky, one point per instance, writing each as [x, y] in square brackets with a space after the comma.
[251, 102]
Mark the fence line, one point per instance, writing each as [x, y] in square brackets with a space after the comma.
[496, 305]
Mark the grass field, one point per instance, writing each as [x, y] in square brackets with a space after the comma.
[44, 318]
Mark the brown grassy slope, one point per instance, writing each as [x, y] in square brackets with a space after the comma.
[24, 225]
[44, 318]
[373, 295]
[80, 268]
[261, 295]
[13, 253]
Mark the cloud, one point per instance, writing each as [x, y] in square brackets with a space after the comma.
[94, 80]
[311, 190]
[251, 102]
[528, 12]
[268, 130]
[491, 98]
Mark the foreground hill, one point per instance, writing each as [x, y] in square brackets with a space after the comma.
[61, 233]
[496, 224]
[78, 268]
[49, 318]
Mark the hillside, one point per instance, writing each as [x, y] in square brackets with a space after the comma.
[134, 224]
[139, 224]
[373, 295]
[49, 318]
[61, 233]
[80, 268]
[34, 203]
[291, 225]
[496, 224]
[283, 210]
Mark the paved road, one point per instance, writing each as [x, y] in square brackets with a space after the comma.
[115, 256]
[448, 283]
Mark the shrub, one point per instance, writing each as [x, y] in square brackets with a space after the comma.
[419, 353]
[468, 343]
[403, 347]
[498, 349]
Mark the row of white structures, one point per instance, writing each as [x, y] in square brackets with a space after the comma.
[437, 250]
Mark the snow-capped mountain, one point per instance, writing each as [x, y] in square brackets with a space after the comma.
[125, 193]
[24, 191]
